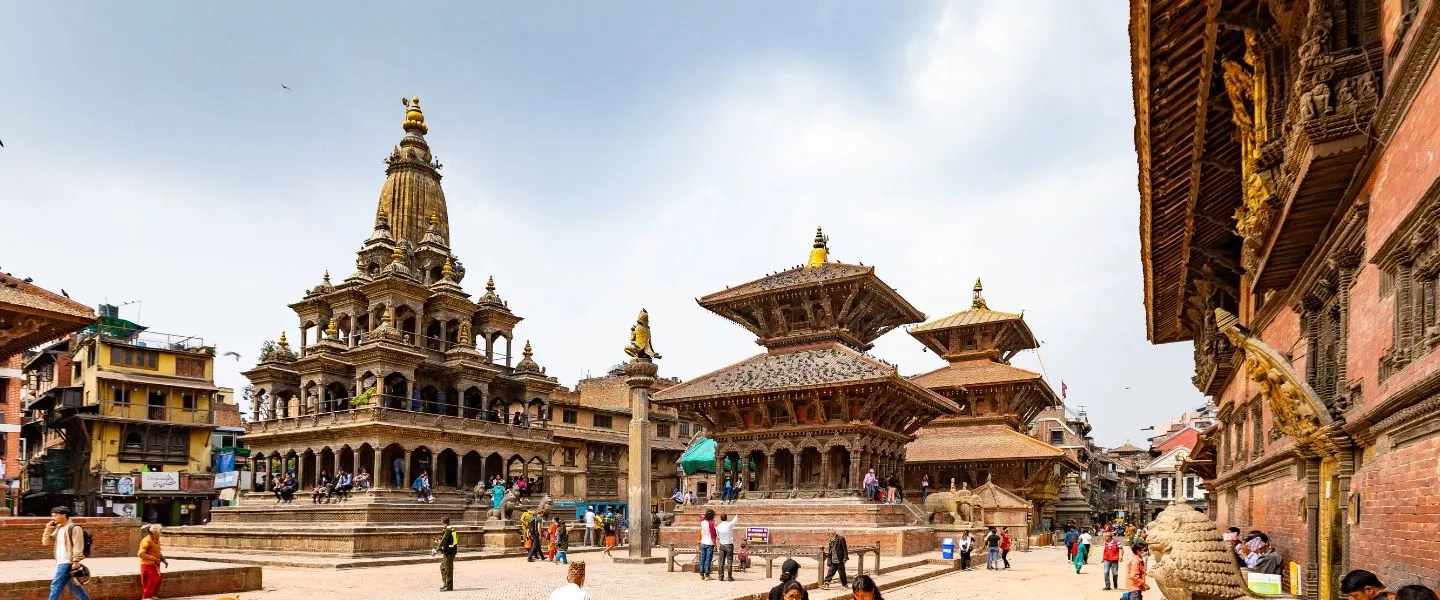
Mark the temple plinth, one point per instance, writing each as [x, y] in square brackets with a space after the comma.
[810, 416]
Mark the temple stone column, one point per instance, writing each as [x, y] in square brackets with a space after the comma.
[640, 378]
[825, 482]
[744, 467]
[377, 474]
[770, 475]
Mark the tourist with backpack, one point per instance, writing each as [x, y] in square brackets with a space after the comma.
[72, 545]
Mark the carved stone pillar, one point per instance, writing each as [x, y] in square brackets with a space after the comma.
[640, 378]
[770, 475]
[744, 467]
[825, 479]
[377, 476]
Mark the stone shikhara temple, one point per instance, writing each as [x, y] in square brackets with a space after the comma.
[403, 366]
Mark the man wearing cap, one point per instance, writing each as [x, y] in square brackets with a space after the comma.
[574, 588]
[69, 542]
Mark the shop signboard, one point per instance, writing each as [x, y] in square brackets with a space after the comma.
[117, 485]
[160, 482]
[757, 535]
[227, 479]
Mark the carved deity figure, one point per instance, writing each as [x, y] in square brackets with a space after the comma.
[464, 337]
[640, 345]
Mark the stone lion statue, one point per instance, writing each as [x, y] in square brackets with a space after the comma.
[1191, 561]
[667, 518]
[507, 505]
[545, 504]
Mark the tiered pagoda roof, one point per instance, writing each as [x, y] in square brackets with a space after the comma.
[816, 321]
[978, 344]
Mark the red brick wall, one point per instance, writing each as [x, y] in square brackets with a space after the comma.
[109, 537]
[1399, 518]
[10, 415]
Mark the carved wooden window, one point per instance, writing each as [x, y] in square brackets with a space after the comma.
[569, 457]
[1415, 330]
[1057, 436]
[569, 485]
[662, 430]
[1240, 437]
[1226, 434]
[570, 417]
[684, 430]
[1257, 430]
[190, 367]
[604, 421]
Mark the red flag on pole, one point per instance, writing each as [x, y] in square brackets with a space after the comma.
[1064, 389]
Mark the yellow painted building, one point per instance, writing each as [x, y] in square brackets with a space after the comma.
[137, 419]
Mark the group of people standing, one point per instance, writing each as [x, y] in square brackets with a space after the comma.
[890, 490]
[720, 534]
[1113, 538]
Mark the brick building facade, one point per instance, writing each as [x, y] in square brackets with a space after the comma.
[1289, 206]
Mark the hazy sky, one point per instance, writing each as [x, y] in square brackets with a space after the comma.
[598, 159]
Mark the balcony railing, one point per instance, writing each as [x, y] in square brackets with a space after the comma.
[397, 416]
[167, 414]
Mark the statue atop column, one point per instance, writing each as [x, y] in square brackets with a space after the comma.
[640, 380]
[640, 346]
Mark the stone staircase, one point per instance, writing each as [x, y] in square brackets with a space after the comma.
[369, 524]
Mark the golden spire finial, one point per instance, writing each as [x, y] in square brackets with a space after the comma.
[819, 251]
[282, 339]
[414, 119]
[490, 284]
[528, 352]
[327, 275]
[448, 270]
[330, 330]
[978, 302]
[434, 220]
[397, 255]
[382, 217]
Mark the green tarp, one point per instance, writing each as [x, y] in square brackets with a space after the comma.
[700, 458]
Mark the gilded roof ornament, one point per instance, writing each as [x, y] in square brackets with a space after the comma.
[330, 330]
[977, 302]
[819, 250]
[326, 279]
[397, 255]
[414, 119]
[447, 271]
[282, 341]
[528, 364]
[490, 284]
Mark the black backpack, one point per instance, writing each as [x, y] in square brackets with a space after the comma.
[88, 541]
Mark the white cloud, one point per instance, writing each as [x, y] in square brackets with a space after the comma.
[935, 171]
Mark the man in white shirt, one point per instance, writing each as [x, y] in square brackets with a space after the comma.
[589, 526]
[575, 589]
[69, 541]
[1085, 539]
[725, 536]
